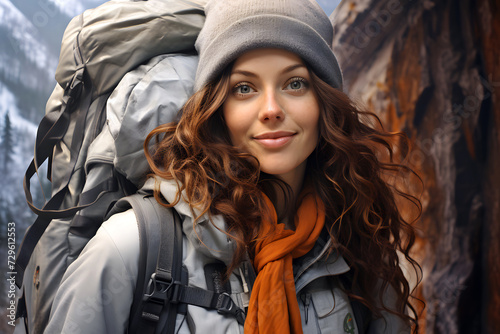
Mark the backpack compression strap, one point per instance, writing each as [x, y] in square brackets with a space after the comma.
[51, 130]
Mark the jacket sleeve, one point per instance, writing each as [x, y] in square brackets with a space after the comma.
[96, 291]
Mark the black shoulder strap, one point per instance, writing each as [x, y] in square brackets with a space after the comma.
[160, 296]
[149, 215]
[362, 314]
[155, 311]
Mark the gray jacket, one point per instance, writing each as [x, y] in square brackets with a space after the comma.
[96, 292]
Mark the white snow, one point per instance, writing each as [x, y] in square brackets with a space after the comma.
[8, 103]
[23, 138]
[24, 37]
[70, 8]
[73, 8]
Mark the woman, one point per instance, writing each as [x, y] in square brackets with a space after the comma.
[269, 162]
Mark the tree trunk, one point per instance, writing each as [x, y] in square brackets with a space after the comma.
[432, 70]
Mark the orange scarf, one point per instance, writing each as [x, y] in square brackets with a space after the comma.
[273, 304]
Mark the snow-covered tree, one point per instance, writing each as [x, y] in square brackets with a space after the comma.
[7, 145]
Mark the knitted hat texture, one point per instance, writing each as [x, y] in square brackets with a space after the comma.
[233, 27]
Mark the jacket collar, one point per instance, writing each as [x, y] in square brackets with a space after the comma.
[208, 235]
[319, 263]
[215, 243]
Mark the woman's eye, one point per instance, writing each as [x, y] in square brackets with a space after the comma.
[243, 89]
[297, 84]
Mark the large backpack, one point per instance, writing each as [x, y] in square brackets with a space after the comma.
[83, 146]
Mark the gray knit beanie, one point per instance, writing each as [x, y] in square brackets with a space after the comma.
[233, 27]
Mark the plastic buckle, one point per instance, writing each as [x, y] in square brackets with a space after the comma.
[161, 290]
[226, 305]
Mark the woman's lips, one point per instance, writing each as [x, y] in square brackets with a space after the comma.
[274, 139]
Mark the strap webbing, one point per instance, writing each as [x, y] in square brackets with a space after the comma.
[169, 268]
[166, 290]
[176, 293]
[51, 130]
[147, 212]
[158, 298]
[52, 209]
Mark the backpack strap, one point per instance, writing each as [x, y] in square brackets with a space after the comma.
[51, 130]
[156, 312]
[362, 314]
[149, 216]
[167, 291]
[159, 296]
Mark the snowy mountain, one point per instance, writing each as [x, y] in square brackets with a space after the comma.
[27, 65]
[30, 37]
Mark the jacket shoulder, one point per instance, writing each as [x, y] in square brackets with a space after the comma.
[97, 290]
[122, 231]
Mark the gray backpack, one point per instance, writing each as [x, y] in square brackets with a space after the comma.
[93, 131]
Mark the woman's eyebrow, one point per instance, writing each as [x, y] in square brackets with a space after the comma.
[292, 67]
[285, 70]
[245, 73]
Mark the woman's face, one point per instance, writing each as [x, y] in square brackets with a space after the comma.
[272, 111]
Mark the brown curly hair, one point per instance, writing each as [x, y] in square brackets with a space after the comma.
[346, 170]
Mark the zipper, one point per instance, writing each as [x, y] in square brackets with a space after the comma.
[245, 296]
[306, 301]
[314, 260]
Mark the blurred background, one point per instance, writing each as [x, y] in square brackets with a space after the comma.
[429, 68]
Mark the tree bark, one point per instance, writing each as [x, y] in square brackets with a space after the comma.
[432, 70]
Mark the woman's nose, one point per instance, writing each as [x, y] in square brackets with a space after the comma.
[271, 109]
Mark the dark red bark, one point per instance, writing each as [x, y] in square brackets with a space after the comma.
[432, 69]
